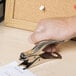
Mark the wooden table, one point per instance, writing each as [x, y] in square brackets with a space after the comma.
[14, 41]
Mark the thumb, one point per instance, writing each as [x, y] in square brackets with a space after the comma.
[38, 34]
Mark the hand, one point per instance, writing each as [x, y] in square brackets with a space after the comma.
[55, 29]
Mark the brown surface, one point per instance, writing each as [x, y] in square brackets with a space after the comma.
[28, 10]
[60, 8]
[25, 14]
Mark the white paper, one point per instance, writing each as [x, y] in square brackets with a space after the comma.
[14, 70]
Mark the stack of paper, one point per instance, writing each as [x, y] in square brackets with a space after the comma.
[14, 70]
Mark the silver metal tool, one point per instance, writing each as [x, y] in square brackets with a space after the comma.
[25, 57]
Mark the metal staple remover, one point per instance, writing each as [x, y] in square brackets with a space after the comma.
[30, 57]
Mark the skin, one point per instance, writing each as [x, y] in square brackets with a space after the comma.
[55, 29]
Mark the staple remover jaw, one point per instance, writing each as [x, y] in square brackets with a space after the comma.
[27, 63]
[26, 57]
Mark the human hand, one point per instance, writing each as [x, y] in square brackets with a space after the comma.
[54, 29]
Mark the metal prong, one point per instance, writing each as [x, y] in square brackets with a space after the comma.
[30, 63]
